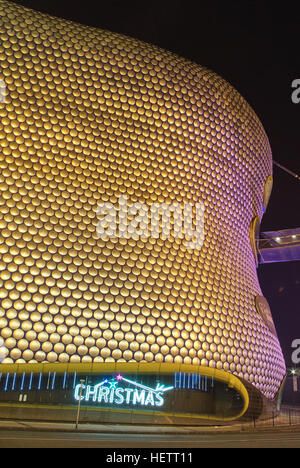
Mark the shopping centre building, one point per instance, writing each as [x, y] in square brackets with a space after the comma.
[135, 325]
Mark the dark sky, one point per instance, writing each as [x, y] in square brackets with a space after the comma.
[255, 46]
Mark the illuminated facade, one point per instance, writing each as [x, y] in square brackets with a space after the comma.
[90, 116]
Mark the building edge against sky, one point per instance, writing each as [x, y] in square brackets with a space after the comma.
[155, 331]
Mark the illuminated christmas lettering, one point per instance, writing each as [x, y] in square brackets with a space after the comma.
[109, 392]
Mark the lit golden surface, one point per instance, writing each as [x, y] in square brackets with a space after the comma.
[89, 116]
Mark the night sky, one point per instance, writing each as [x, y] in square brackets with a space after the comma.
[255, 46]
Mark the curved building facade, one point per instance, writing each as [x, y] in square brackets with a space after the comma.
[90, 118]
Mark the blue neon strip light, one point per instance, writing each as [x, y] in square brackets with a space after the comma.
[40, 381]
[6, 382]
[65, 379]
[74, 380]
[30, 381]
[53, 381]
[22, 383]
[48, 381]
[14, 381]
